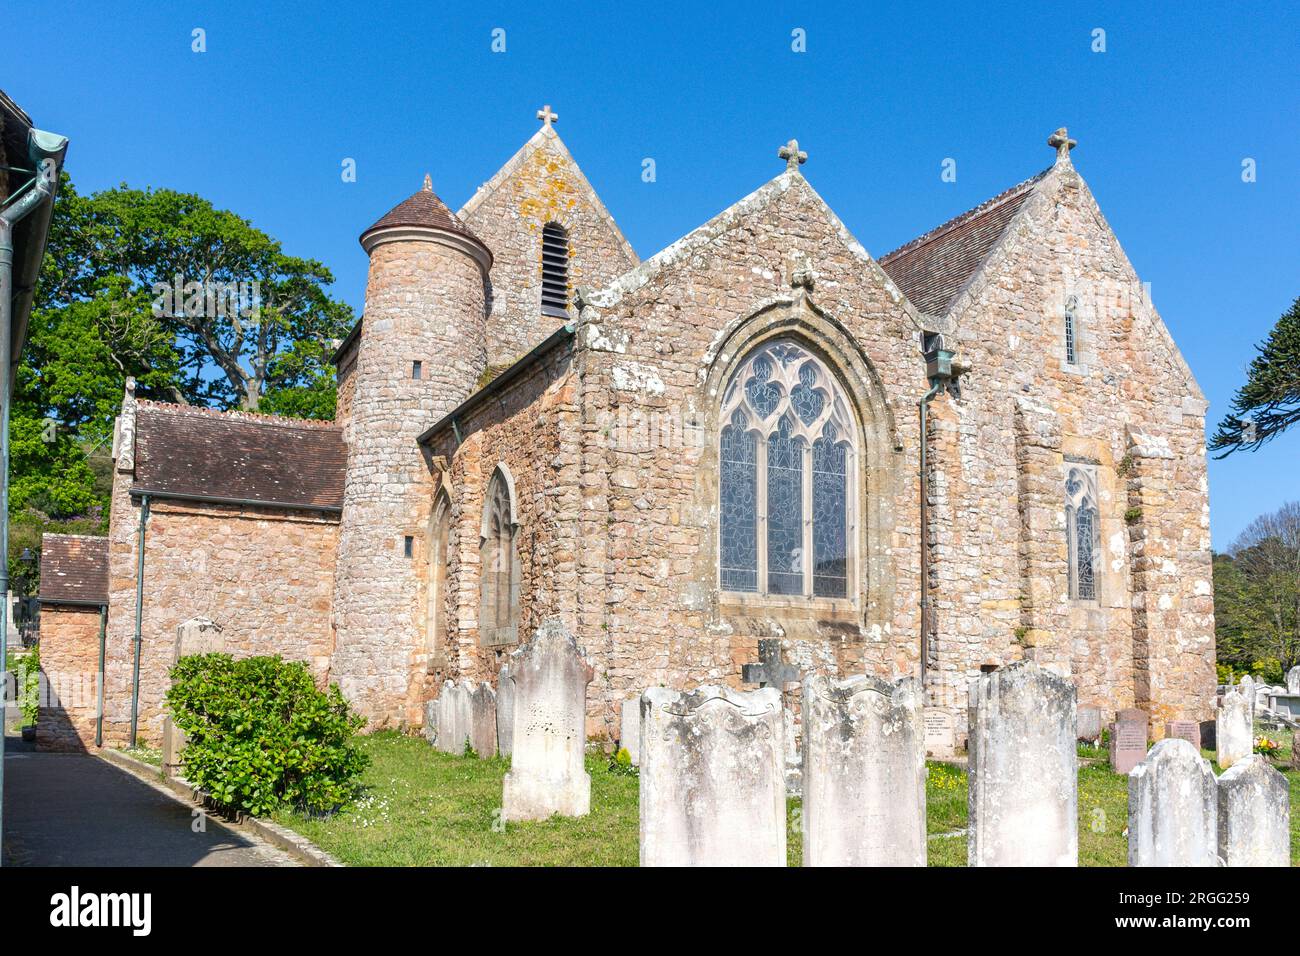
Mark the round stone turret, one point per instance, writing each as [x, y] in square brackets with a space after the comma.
[420, 353]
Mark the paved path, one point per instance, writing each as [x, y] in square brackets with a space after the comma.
[78, 810]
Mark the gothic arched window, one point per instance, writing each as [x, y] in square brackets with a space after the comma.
[787, 465]
[1072, 330]
[1082, 532]
[555, 270]
[499, 605]
[439, 535]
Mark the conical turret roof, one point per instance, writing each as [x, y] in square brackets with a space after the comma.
[424, 210]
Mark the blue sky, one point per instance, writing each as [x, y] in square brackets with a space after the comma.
[262, 121]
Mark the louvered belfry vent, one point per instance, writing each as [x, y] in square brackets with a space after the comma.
[555, 270]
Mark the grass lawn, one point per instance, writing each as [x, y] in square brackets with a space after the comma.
[425, 808]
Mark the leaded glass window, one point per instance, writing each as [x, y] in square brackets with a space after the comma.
[830, 511]
[1072, 331]
[1082, 532]
[784, 510]
[739, 486]
[499, 585]
[787, 463]
[440, 531]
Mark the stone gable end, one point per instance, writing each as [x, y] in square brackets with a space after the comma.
[541, 183]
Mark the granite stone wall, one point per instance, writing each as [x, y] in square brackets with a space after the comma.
[1129, 409]
[265, 575]
[528, 428]
[425, 303]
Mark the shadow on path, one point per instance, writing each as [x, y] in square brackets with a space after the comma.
[78, 810]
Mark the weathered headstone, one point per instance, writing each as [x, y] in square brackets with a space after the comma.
[1089, 724]
[483, 720]
[793, 753]
[629, 733]
[940, 733]
[198, 635]
[1189, 730]
[863, 773]
[1023, 769]
[1254, 814]
[772, 669]
[431, 721]
[1293, 680]
[1246, 688]
[712, 783]
[1172, 808]
[546, 776]
[1233, 733]
[505, 712]
[1128, 740]
[453, 717]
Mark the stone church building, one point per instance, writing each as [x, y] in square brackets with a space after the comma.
[981, 447]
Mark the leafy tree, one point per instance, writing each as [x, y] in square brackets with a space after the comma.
[233, 300]
[306, 363]
[1257, 594]
[99, 315]
[1269, 402]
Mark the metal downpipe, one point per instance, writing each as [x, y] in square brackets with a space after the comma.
[139, 618]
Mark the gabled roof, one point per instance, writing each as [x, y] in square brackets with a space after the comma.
[74, 569]
[932, 269]
[203, 454]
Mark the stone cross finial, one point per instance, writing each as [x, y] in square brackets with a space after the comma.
[428, 183]
[794, 157]
[546, 116]
[1061, 142]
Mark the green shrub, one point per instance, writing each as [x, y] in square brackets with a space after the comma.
[29, 697]
[262, 736]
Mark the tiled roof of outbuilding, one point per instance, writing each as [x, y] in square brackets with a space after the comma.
[239, 456]
[74, 569]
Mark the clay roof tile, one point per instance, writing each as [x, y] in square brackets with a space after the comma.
[933, 268]
[239, 456]
[74, 569]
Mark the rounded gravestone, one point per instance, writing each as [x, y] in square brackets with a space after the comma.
[1023, 769]
[1254, 809]
[863, 773]
[1172, 808]
[1233, 734]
